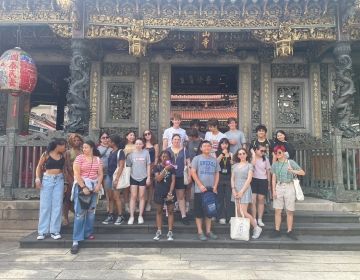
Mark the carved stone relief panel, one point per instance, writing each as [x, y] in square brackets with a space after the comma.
[325, 97]
[121, 131]
[120, 101]
[289, 71]
[255, 98]
[289, 105]
[154, 99]
[120, 69]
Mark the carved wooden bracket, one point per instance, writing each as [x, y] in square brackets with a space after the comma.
[138, 36]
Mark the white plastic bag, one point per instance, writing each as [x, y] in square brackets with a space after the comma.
[239, 226]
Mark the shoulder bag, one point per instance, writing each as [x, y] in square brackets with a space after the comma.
[239, 226]
[186, 171]
[124, 179]
[298, 190]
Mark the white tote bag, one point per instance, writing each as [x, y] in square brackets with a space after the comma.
[298, 190]
[239, 226]
[124, 179]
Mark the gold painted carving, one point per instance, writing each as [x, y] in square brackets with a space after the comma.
[94, 103]
[136, 34]
[62, 30]
[66, 5]
[317, 100]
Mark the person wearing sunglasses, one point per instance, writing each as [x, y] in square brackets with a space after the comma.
[281, 140]
[283, 171]
[261, 182]
[153, 148]
[241, 175]
[105, 150]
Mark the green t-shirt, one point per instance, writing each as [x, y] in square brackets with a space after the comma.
[280, 169]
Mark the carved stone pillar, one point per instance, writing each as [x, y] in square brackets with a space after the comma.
[245, 98]
[266, 97]
[78, 95]
[345, 89]
[94, 129]
[164, 100]
[144, 97]
[315, 97]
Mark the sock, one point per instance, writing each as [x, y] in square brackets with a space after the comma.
[75, 243]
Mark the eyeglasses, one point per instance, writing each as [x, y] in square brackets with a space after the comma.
[147, 133]
[105, 137]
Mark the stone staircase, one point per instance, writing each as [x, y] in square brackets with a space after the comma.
[316, 230]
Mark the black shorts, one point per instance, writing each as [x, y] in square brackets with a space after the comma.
[198, 208]
[259, 186]
[160, 195]
[179, 183]
[134, 182]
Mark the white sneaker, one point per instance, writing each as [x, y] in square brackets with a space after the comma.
[256, 233]
[56, 236]
[41, 237]
[148, 207]
[157, 235]
[127, 209]
[140, 220]
[131, 221]
[260, 223]
[222, 221]
[170, 236]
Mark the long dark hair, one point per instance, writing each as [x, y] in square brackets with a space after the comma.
[153, 140]
[236, 157]
[223, 140]
[54, 143]
[258, 147]
[93, 146]
[102, 133]
[127, 134]
[117, 140]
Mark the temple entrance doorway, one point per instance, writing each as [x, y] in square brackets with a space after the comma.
[204, 92]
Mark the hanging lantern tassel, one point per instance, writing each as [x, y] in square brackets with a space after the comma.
[18, 73]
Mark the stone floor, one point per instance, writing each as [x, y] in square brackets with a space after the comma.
[156, 263]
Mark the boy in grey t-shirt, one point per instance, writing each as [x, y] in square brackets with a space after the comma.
[236, 137]
[205, 172]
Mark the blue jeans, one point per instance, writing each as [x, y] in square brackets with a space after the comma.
[84, 219]
[51, 201]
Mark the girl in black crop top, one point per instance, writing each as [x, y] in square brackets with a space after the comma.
[51, 189]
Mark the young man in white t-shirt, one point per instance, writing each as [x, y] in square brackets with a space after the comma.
[175, 129]
[214, 135]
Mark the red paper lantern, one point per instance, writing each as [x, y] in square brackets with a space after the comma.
[18, 73]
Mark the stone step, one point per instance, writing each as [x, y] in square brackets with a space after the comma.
[324, 229]
[300, 216]
[188, 240]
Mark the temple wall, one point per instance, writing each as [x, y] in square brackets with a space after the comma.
[134, 94]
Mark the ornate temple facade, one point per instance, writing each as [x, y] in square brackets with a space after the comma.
[129, 64]
[116, 63]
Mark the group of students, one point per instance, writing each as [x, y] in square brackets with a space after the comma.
[241, 175]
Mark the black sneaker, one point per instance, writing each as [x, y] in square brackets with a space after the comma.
[74, 249]
[185, 221]
[275, 234]
[291, 235]
[119, 220]
[108, 220]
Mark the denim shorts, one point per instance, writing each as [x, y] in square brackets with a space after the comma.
[107, 182]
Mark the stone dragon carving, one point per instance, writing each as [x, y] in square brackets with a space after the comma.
[78, 95]
[344, 90]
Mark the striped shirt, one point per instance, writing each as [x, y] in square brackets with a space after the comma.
[88, 169]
